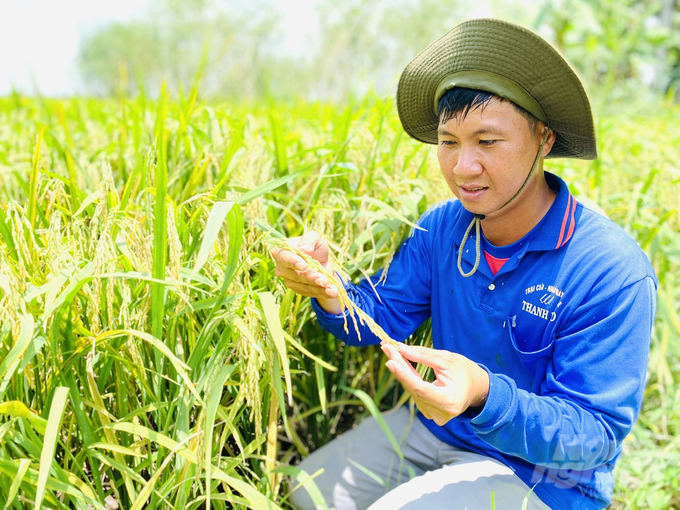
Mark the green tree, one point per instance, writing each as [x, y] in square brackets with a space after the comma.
[366, 44]
[619, 47]
[230, 42]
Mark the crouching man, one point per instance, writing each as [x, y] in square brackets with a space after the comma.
[541, 309]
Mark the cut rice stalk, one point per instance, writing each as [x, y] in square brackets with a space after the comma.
[345, 302]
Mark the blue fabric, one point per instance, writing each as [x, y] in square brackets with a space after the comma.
[563, 330]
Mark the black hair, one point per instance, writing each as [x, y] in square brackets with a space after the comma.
[460, 101]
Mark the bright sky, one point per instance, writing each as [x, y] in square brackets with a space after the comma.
[39, 39]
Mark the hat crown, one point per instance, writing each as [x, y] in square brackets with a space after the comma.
[490, 47]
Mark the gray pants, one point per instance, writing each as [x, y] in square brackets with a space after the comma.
[361, 469]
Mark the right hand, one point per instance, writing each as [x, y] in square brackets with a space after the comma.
[298, 276]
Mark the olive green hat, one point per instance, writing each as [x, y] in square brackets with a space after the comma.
[509, 61]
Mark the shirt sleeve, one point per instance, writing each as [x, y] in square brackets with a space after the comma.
[398, 301]
[592, 392]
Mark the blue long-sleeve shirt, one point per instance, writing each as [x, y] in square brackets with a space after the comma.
[563, 330]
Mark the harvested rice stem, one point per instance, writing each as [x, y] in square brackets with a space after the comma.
[345, 302]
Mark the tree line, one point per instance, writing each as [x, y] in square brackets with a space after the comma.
[619, 47]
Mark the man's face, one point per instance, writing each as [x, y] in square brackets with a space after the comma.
[486, 156]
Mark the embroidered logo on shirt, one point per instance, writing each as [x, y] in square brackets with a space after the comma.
[551, 298]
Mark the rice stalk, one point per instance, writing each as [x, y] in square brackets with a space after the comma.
[346, 304]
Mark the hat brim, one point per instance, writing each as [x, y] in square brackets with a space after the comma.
[512, 54]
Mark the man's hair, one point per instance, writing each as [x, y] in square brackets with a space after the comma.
[460, 101]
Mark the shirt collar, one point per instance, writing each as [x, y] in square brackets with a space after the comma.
[551, 233]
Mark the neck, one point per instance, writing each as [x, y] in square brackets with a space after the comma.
[513, 222]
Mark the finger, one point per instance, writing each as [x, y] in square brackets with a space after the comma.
[287, 258]
[424, 409]
[438, 396]
[431, 413]
[408, 377]
[434, 358]
[310, 241]
[392, 352]
[310, 290]
[306, 276]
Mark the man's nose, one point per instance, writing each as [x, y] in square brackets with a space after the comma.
[468, 162]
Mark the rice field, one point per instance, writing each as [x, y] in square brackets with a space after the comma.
[149, 358]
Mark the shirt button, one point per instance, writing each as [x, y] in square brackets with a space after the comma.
[492, 287]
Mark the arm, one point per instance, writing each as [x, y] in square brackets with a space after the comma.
[587, 403]
[592, 392]
[398, 301]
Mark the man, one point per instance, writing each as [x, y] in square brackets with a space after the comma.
[541, 308]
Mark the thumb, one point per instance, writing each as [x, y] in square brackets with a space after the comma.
[309, 241]
[433, 358]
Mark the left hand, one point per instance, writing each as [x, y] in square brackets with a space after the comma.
[459, 383]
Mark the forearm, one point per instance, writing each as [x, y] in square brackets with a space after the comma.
[544, 430]
[392, 307]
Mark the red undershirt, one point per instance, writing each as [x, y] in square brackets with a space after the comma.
[494, 263]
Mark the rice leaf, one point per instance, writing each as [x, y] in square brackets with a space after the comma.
[24, 464]
[214, 398]
[160, 230]
[54, 420]
[375, 412]
[256, 499]
[266, 188]
[306, 482]
[321, 385]
[19, 410]
[271, 316]
[33, 183]
[213, 226]
[13, 358]
[178, 364]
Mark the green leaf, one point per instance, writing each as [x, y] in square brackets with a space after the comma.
[19, 410]
[11, 361]
[160, 230]
[271, 316]
[266, 188]
[377, 415]
[213, 403]
[213, 226]
[24, 464]
[50, 443]
[305, 482]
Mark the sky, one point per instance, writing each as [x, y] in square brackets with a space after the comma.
[39, 39]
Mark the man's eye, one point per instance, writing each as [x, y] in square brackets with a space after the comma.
[487, 142]
[447, 143]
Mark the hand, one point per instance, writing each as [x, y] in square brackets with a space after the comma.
[298, 276]
[459, 383]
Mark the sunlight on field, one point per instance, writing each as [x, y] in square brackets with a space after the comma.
[149, 355]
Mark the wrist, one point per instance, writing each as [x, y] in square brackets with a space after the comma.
[331, 306]
[480, 389]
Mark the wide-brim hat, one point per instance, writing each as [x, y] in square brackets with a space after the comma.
[509, 61]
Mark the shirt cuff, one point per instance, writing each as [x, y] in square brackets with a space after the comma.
[498, 407]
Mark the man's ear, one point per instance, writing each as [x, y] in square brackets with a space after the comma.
[552, 136]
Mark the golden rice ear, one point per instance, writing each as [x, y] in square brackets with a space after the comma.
[345, 302]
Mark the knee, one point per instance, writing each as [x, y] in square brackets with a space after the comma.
[299, 496]
[300, 487]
